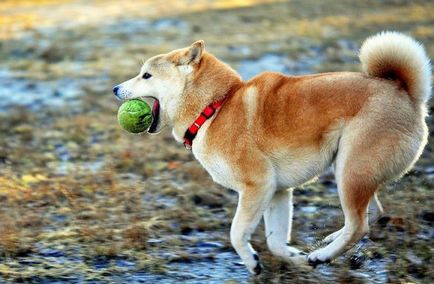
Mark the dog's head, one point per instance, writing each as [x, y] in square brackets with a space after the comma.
[164, 79]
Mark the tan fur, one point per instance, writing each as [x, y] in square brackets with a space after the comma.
[276, 132]
[295, 111]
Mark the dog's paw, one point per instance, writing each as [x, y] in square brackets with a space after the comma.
[318, 257]
[299, 260]
[257, 267]
[292, 251]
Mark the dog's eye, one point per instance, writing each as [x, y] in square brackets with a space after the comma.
[146, 75]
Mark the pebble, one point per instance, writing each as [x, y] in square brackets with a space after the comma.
[412, 258]
[51, 252]
[124, 263]
[309, 209]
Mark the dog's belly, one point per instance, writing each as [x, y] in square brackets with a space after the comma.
[288, 166]
[294, 170]
[289, 170]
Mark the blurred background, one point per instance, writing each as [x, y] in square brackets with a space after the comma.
[83, 201]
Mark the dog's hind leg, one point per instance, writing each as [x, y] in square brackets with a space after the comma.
[356, 187]
[277, 218]
[355, 192]
[252, 202]
[375, 209]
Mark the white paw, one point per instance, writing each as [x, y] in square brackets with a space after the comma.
[299, 260]
[255, 267]
[294, 252]
[319, 256]
[285, 252]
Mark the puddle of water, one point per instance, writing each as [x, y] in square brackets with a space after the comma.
[309, 209]
[142, 277]
[170, 23]
[348, 51]
[65, 167]
[268, 62]
[221, 269]
[65, 164]
[136, 31]
[35, 95]
[278, 62]
[210, 263]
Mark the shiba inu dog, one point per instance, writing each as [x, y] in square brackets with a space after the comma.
[276, 132]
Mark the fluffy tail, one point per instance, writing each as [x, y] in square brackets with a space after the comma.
[393, 55]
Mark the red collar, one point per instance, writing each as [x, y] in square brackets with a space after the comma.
[207, 113]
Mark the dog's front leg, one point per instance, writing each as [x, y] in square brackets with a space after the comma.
[252, 202]
[278, 225]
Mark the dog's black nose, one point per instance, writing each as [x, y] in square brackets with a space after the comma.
[115, 90]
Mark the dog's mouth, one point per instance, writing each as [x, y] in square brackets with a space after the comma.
[155, 116]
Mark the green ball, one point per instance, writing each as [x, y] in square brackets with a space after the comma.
[135, 116]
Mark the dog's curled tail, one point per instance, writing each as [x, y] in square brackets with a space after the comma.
[393, 55]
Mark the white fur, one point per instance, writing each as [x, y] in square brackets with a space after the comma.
[297, 167]
[290, 214]
[294, 167]
[217, 167]
[250, 101]
[248, 214]
[277, 227]
[391, 51]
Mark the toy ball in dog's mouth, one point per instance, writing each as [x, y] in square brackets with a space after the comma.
[136, 116]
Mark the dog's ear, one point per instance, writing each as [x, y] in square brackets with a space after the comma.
[194, 53]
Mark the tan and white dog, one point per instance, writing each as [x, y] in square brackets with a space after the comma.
[276, 132]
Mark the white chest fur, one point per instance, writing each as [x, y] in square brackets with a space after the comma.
[215, 164]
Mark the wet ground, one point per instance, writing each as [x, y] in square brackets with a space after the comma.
[83, 201]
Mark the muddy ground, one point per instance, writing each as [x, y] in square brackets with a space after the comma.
[83, 201]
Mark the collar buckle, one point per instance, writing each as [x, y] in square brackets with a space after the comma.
[187, 146]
